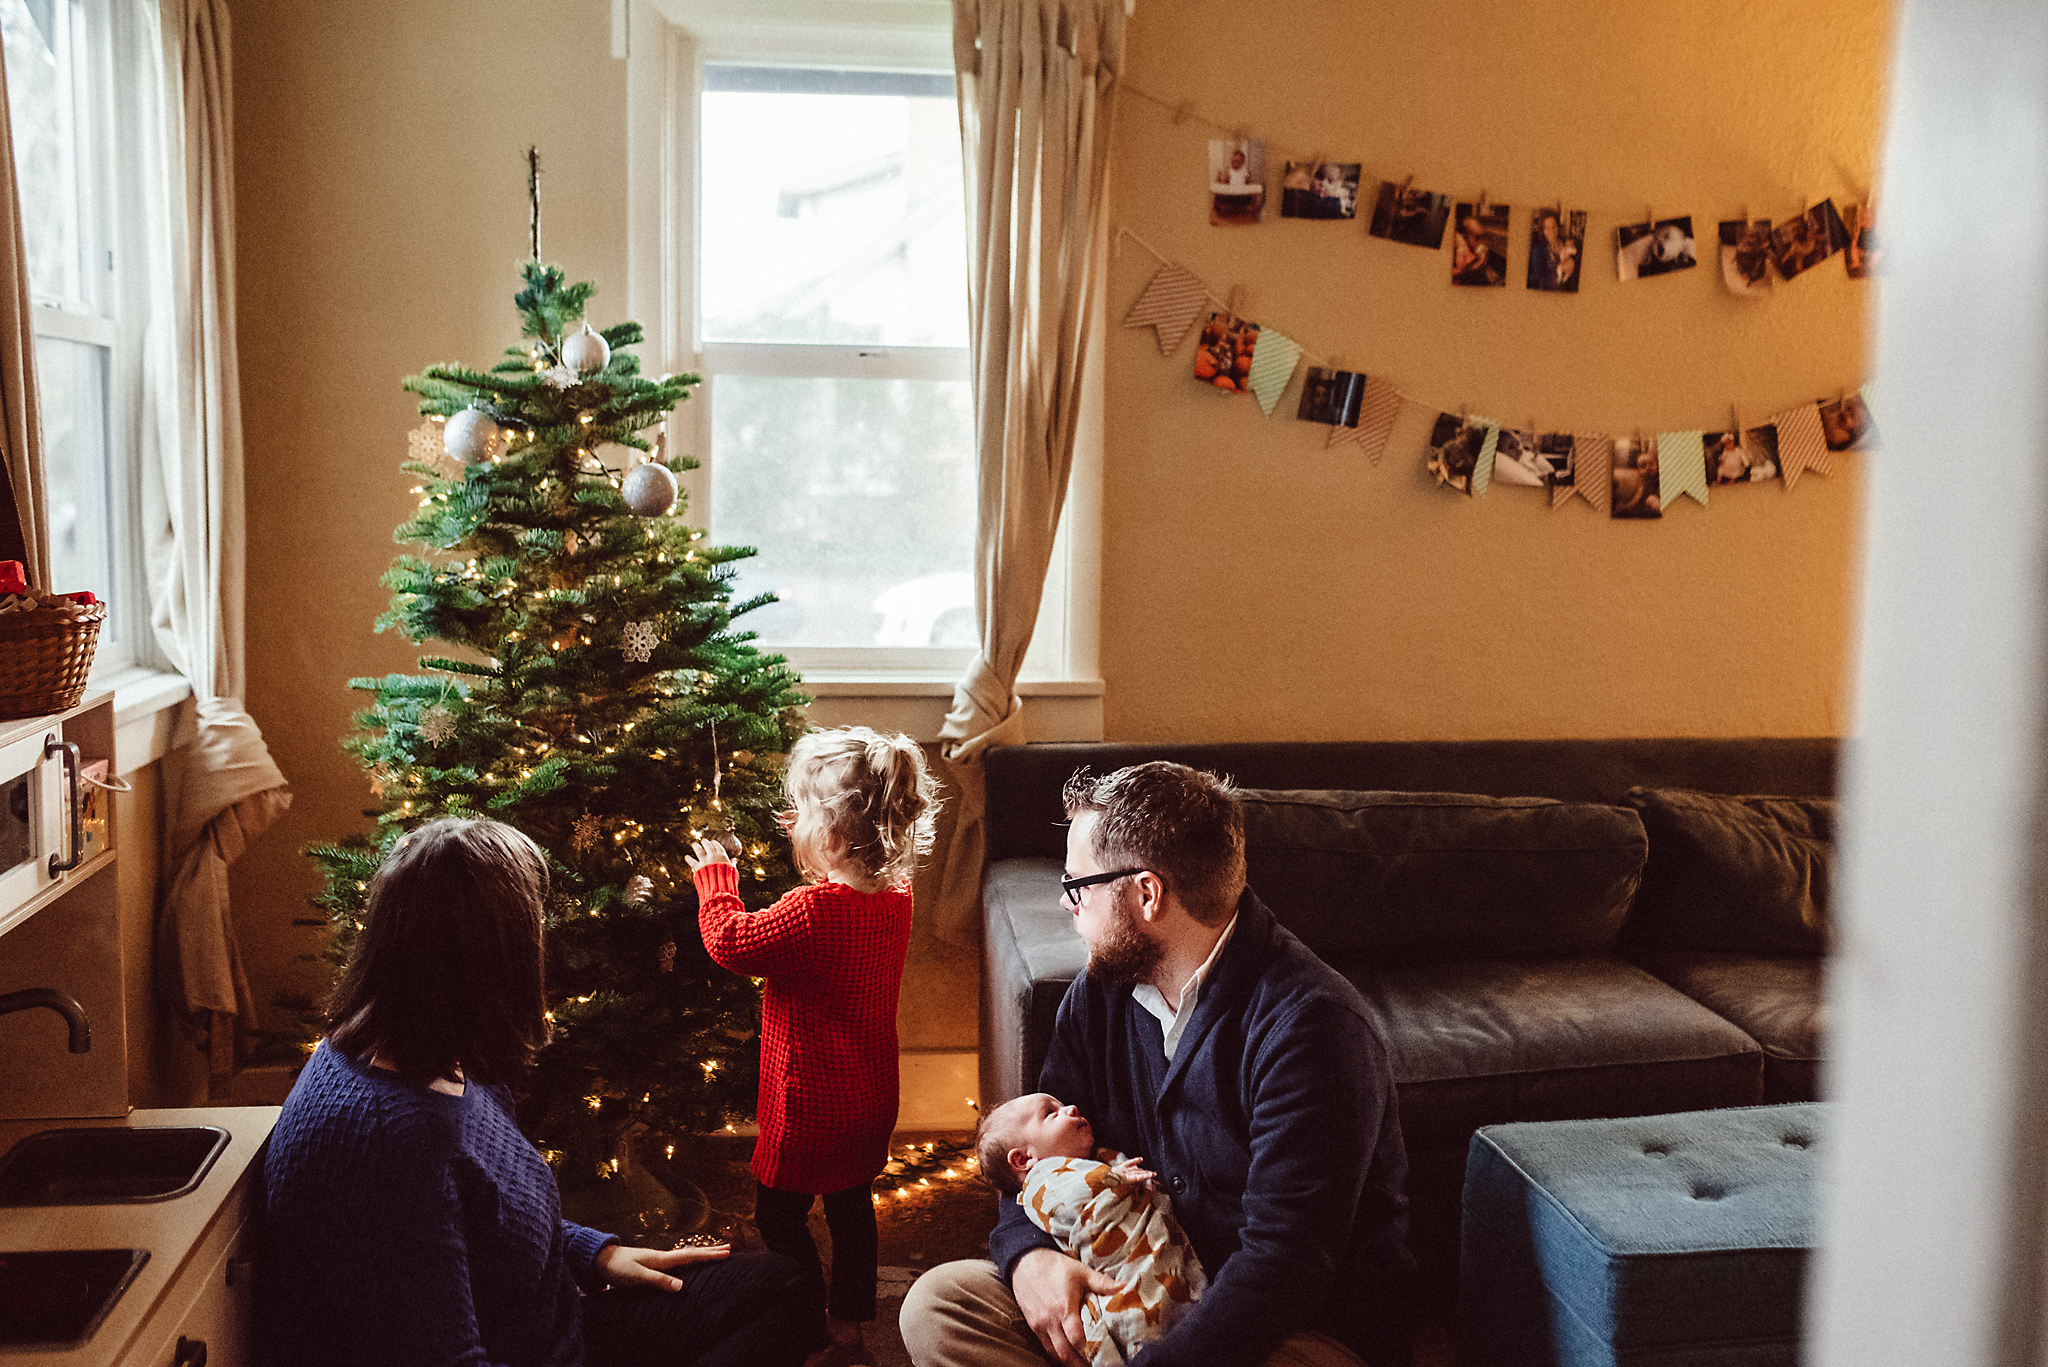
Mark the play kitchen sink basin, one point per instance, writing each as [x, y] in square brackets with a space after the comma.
[55, 1300]
[108, 1165]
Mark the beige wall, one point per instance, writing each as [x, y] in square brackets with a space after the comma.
[1253, 587]
[1256, 588]
[381, 209]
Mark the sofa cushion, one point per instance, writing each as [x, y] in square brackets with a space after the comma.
[1437, 875]
[1582, 1036]
[1775, 998]
[1029, 953]
[1745, 874]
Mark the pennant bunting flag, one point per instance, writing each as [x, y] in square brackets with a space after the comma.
[1273, 363]
[1169, 305]
[1802, 446]
[1376, 414]
[1340, 436]
[1482, 473]
[1682, 466]
[1592, 467]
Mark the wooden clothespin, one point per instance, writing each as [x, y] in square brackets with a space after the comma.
[1235, 306]
[1482, 202]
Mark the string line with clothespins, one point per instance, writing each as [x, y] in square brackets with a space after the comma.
[1307, 353]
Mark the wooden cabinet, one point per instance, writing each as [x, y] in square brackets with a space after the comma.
[62, 932]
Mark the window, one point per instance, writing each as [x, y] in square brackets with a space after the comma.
[58, 55]
[829, 297]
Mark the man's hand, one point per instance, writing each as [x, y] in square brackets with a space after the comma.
[622, 1266]
[1049, 1287]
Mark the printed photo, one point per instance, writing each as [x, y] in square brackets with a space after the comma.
[1647, 249]
[1479, 251]
[1517, 461]
[1861, 224]
[1237, 180]
[1634, 491]
[1405, 214]
[1845, 425]
[1554, 450]
[1742, 457]
[1556, 242]
[1331, 397]
[1454, 450]
[1746, 256]
[1223, 356]
[1319, 189]
[1800, 244]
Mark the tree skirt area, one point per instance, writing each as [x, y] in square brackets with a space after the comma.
[701, 1184]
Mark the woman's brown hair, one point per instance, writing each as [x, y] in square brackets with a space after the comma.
[446, 971]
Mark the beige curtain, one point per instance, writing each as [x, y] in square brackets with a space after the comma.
[24, 522]
[224, 789]
[1037, 91]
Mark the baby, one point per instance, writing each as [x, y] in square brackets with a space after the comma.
[1101, 1207]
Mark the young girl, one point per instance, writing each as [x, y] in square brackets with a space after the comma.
[832, 953]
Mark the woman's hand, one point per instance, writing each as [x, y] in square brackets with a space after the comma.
[706, 852]
[623, 1266]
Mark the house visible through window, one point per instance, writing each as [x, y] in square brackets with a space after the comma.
[832, 293]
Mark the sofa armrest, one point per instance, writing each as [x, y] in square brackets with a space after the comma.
[1029, 953]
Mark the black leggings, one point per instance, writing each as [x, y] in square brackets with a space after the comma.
[749, 1310]
[783, 1217]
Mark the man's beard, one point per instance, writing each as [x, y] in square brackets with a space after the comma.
[1126, 953]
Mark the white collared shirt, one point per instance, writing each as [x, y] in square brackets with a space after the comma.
[1153, 1000]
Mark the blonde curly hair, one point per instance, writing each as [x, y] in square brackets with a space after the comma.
[869, 794]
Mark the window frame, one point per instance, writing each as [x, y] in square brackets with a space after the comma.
[96, 320]
[664, 151]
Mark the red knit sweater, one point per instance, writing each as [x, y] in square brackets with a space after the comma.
[833, 960]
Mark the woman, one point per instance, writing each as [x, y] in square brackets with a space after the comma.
[410, 1222]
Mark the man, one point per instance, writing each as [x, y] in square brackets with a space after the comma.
[1205, 1037]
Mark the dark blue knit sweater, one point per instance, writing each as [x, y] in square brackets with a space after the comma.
[406, 1226]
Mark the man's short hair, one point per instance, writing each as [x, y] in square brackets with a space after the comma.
[1185, 825]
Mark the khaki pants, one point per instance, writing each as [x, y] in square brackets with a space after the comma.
[963, 1315]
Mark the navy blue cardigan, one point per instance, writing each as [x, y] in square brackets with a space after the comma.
[1273, 1128]
[406, 1226]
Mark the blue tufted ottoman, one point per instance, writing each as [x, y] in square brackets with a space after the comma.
[1674, 1240]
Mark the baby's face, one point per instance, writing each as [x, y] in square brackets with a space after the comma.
[1042, 1128]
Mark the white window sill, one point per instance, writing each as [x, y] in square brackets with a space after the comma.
[916, 703]
[144, 703]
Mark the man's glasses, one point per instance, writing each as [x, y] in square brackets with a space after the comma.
[1070, 886]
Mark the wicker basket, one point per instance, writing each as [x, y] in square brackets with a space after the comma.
[44, 658]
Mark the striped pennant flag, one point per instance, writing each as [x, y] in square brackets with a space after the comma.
[1273, 362]
[1169, 305]
[1342, 436]
[1592, 470]
[1802, 446]
[1682, 466]
[1482, 472]
[1376, 414]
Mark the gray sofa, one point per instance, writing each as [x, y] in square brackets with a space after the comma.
[1542, 930]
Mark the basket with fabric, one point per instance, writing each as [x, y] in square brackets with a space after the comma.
[45, 654]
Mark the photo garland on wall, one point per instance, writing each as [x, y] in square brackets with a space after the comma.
[1628, 476]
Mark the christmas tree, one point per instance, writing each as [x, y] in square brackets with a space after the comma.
[589, 689]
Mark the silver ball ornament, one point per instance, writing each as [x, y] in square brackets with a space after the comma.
[585, 352]
[650, 490]
[472, 436]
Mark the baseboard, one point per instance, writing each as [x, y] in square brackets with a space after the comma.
[939, 1089]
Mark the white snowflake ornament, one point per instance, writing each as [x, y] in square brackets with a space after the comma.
[561, 377]
[583, 835]
[437, 725]
[423, 444]
[639, 888]
[638, 642]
